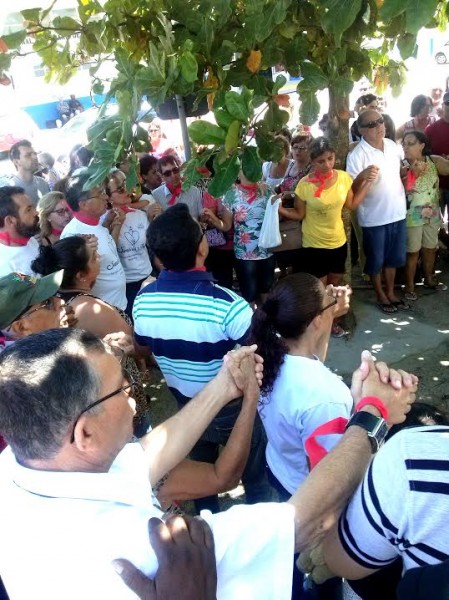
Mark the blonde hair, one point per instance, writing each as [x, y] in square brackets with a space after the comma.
[45, 206]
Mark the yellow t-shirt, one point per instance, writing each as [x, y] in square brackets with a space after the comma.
[322, 226]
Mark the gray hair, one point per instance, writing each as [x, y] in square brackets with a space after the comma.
[45, 382]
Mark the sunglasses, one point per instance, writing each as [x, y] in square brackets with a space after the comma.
[169, 172]
[372, 124]
[48, 304]
[299, 147]
[62, 211]
[131, 385]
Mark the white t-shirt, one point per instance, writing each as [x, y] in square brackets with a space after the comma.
[111, 281]
[272, 182]
[385, 202]
[306, 394]
[131, 246]
[68, 527]
[18, 258]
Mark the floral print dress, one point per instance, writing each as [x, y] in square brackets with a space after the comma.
[248, 219]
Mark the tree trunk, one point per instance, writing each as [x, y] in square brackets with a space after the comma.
[338, 134]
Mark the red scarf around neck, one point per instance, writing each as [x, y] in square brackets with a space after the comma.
[410, 181]
[19, 241]
[251, 189]
[126, 209]
[320, 179]
[175, 192]
[86, 219]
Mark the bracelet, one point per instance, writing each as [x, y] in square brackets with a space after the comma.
[221, 223]
[373, 401]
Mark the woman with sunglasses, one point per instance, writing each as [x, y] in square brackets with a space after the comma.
[81, 265]
[287, 254]
[54, 214]
[423, 218]
[298, 393]
[322, 195]
[129, 236]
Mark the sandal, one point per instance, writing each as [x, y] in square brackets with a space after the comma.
[438, 286]
[401, 305]
[411, 296]
[387, 307]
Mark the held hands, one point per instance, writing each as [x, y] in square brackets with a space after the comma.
[342, 293]
[396, 388]
[184, 547]
[369, 175]
[120, 343]
[241, 372]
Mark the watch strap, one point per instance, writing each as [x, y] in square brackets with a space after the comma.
[373, 401]
[376, 427]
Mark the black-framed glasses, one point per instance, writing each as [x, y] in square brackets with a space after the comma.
[373, 124]
[48, 304]
[62, 211]
[169, 172]
[119, 190]
[131, 385]
[330, 305]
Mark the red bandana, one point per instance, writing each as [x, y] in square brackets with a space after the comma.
[252, 190]
[320, 179]
[175, 193]
[411, 180]
[19, 241]
[126, 209]
[86, 219]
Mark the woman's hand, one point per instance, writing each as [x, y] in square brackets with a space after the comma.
[342, 293]
[210, 218]
[419, 168]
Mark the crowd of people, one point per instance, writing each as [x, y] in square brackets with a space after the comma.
[99, 286]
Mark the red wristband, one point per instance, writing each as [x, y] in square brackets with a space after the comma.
[373, 401]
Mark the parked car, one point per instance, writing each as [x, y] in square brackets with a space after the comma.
[442, 56]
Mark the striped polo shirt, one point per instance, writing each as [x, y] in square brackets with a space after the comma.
[189, 323]
[402, 506]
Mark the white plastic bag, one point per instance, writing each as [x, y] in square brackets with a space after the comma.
[270, 235]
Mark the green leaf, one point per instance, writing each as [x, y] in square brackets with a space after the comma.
[280, 82]
[203, 132]
[233, 136]
[236, 106]
[251, 164]
[124, 64]
[418, 14]
[225, 175]
[189, 66]
[132, 178]
[391, 9]
[407, 45]
[310, 108]
[223, 118]
[342, 86]
[275, 118]
[5, 62]
[266, 144]
[190, 174]
[31, 14]
[14, 40]
[339, 16]
[314, 78]
[66, 24]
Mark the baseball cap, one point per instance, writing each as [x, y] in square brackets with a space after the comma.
[18, 292]
[446, 97]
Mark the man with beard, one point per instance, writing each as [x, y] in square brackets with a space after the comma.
[24, 158]
[19, 222]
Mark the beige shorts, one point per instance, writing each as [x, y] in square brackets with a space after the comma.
[422, 236]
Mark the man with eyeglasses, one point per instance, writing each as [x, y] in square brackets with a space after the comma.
[88, 206]
[381, 215]
[171, 193]
[19, 223]
[438, 134]
[76, 494]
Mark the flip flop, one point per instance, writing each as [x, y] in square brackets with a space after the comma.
[439, 286]
[387, 308]
[401, 305]
[411, 296]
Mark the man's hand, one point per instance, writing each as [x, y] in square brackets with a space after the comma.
[342, 294]
[369, 174]
[236, 375]
[184, 547]
[396, 388]
[91, 240]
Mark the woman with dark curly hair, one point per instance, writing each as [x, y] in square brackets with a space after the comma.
[292, 330]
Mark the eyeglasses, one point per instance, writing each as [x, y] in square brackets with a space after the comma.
[372, 124]
[330, 305]
[173, 171]
[62, 211]
[299, 147]
[48, 304]
[119, 190]
[130, 385]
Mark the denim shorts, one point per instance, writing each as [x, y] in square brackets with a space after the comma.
[384, 246]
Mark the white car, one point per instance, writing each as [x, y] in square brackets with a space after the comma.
[442, 56]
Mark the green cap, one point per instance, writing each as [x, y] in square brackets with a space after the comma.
[18, 292]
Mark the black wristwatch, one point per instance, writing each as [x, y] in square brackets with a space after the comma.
[376, 427]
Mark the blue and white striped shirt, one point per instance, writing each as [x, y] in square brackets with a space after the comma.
[402, 506]
[189, 323]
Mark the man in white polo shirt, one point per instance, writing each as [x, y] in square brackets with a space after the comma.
[88, 207]
[382, 213]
